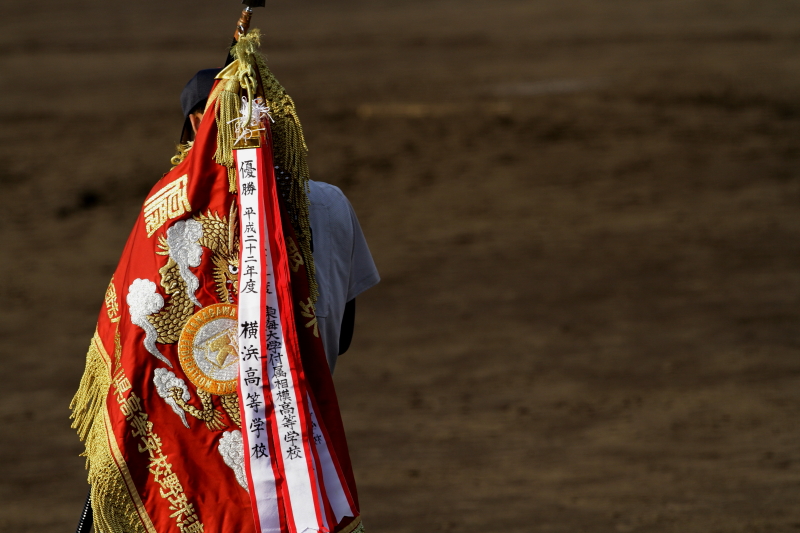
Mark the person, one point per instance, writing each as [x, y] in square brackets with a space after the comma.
[344, 265]
[207, 400]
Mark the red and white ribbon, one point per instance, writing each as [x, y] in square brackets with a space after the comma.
[289, 464]
[254, 397]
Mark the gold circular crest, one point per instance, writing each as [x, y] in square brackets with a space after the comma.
[208, 349]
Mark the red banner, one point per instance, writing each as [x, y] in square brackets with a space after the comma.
[171, 435]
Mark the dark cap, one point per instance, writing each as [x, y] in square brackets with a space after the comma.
[197, 90]
[194, 95]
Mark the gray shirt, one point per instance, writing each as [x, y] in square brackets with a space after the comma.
[344, 266]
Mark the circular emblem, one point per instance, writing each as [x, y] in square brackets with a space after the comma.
[208, 349]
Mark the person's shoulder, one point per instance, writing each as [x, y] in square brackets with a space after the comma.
[323, 193]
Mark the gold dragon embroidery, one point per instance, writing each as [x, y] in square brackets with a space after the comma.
[221, 238]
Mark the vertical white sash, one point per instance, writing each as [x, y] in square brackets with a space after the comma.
[252, 343]
[273, 419]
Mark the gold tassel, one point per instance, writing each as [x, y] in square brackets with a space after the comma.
[114, 510]
[226, 109]
[289, 143]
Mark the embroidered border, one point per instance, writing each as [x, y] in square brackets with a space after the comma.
[115, 508]
[171, 488]
[121, 384]
[126, 475]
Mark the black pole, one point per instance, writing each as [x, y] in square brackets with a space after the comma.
[85, 523]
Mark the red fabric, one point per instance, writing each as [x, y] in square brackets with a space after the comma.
[313, 373]
[318, 376]
[208, 484]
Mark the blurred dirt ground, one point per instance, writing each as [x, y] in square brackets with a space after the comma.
[585, 216]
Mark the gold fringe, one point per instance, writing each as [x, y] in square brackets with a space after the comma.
[113, 507]
[290, 147]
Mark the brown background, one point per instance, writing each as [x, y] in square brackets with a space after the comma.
[584, 213]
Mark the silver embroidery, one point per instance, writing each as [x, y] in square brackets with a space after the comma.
[143, 299]
[165, 381]
[251, 117]
[231, 448]
[185, 250]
